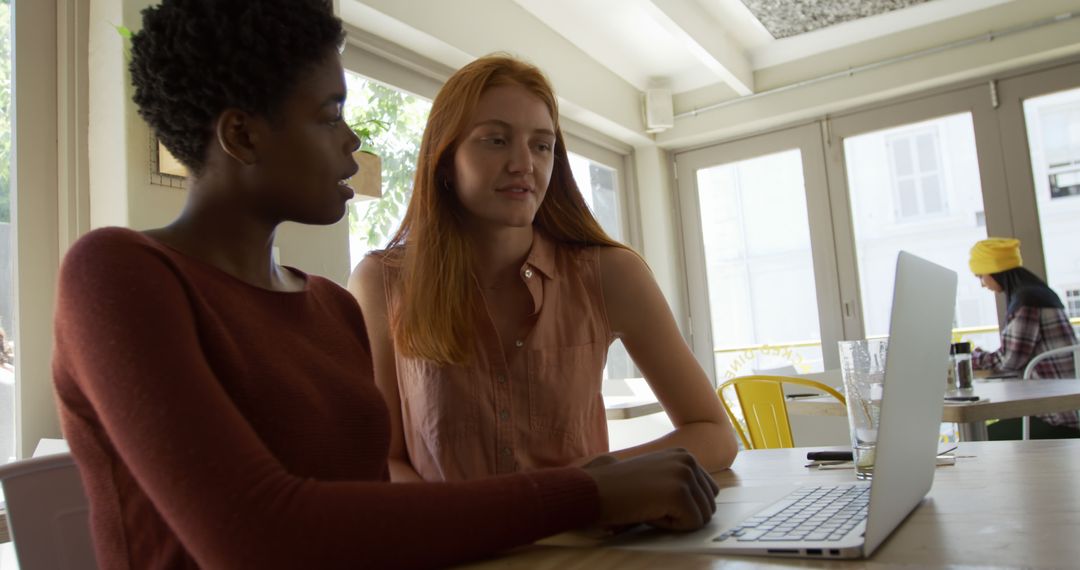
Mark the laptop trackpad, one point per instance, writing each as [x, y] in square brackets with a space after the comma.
[753, 494]
[733, 504]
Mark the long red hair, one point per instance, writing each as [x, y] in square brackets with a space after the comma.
[433, 316]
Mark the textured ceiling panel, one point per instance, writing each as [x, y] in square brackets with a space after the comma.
[784, 18]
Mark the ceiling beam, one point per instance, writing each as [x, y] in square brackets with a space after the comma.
[705, 37]
[446, 32]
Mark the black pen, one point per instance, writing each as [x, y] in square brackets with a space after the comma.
[829, 455]
[961, 398]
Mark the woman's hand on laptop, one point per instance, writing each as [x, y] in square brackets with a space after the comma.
[667, 489]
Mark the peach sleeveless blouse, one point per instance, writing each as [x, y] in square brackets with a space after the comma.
[538, 406]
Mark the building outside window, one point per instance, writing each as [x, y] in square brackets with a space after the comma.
[917, 174]
[1072, 302]
[1053, 131]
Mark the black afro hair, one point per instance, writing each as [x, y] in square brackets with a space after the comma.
[195, 58]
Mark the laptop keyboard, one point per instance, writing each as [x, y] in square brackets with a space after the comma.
[807, 514]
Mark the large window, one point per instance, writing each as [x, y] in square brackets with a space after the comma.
[759, 266]
[1053, 133]
[756, 232]
[599, 184]
[930, 174]
[396, 121]
[930, 164]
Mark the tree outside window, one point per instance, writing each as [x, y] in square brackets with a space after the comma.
[396, 121]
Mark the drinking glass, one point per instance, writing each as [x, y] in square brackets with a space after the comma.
[862, 366]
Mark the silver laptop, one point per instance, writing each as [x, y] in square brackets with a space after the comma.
[919, 334]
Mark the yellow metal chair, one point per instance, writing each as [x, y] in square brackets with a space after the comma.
[764, 408]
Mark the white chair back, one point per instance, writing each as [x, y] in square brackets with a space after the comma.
[1074, 349]
[48, 514]
[1025, 425]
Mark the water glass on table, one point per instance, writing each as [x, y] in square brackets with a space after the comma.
[862, 367]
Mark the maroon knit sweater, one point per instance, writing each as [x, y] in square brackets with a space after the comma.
[221, 425]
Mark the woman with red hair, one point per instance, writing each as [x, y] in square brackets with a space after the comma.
[493, 307]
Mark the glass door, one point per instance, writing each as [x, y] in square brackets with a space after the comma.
[599, 184]
[760, 259]
[913, 176]
[916, 187]
[1043, 110]
[598, 171]
[1053, 132]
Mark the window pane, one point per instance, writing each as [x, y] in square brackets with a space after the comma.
[759, 269]
[7, 297]
[948, 144]
[396, 120]
[1053, 130]
[901, 152]
[599, 186]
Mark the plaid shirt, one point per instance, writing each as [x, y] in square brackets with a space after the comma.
[1028, 332]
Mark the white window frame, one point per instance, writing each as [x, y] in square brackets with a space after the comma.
[50, 196]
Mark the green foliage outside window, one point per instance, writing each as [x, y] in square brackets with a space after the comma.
[394, 123]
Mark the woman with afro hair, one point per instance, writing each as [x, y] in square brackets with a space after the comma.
[221, 407]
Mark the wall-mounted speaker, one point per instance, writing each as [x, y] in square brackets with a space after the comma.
[659, 111]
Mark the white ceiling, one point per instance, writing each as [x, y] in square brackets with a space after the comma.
[688, 44]
[602, 55]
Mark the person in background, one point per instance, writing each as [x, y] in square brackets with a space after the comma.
[1035, 321]
[221, 407]
[492, 310]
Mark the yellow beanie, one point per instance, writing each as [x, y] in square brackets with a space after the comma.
[995, 255]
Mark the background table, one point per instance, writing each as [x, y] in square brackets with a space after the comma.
[999, 399]
[627, 407]
[1013, 504]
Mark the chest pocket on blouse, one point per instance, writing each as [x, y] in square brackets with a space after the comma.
[564, 388]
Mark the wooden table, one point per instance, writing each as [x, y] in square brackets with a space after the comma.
[999, 399]
[1004, 504]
